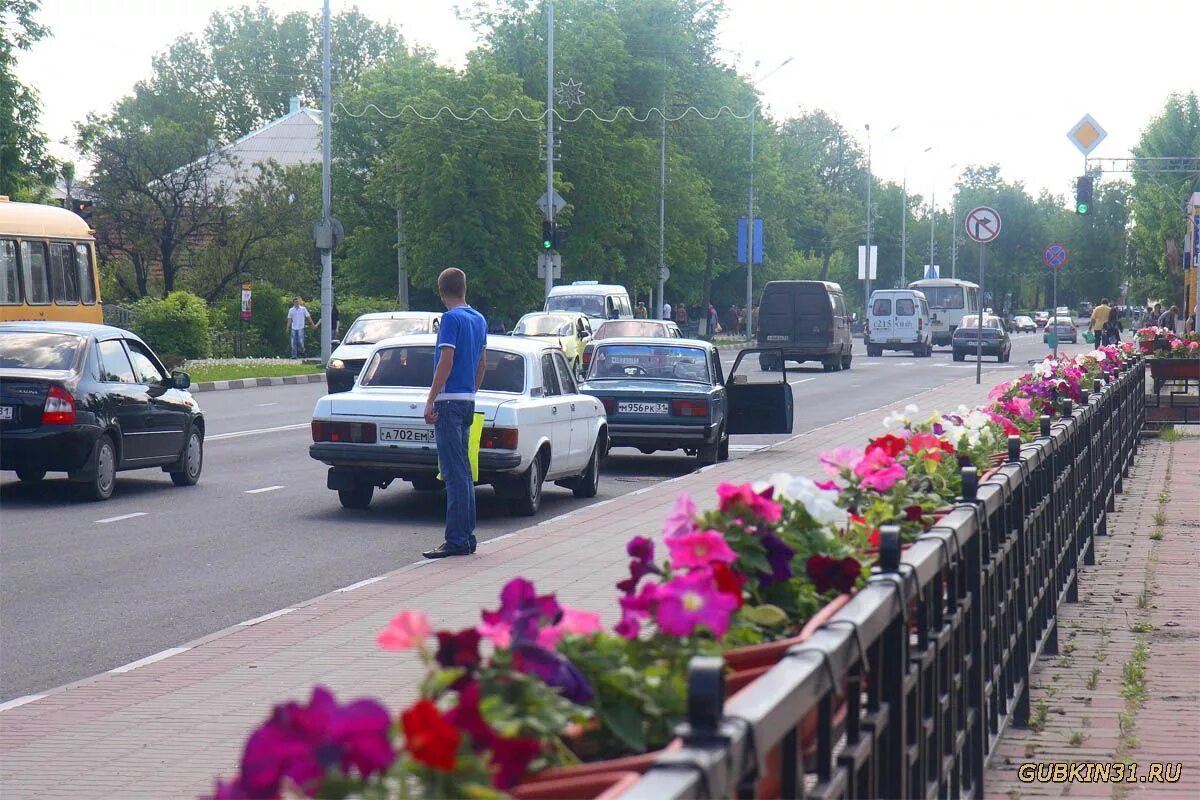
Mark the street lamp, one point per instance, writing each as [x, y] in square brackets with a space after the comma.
[747, 311]
[932, 218]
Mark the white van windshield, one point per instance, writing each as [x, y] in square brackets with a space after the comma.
[590, 304]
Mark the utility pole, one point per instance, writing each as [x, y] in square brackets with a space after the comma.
[401, 260]
[549, 130]
[954, 237]
[662, 200]
[747, 312]
[932, 218]
[904, 233]
[326, 194]
[867, 298]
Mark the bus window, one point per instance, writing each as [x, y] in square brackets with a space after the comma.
[10, 283]
[63, 277]
[37, 278]
[87, 274]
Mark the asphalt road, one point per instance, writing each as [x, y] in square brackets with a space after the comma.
[87, 587]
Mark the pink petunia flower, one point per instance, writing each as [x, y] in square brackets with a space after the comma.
[698, 549]
[682, 518]
[691, 600]
[574, 621]
[879, 471]
[742, 496]
[499, 633]
[840, 458]
[407, 629]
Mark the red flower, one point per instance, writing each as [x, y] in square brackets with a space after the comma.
[831, 573]
[429, 737]
[873, 539]
[458, 649]
[889, 443]
[728, 582]
[913, 513]
[511, 756]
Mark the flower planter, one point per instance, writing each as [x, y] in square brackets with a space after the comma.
[1174, 368]
[577, 786]
[769, 653]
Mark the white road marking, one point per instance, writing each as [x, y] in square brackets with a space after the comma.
[265, 617]
[905, 363]
[497, 538]
[17, 702]
[107, 520]
[264, 405]
[264, 489]
[361, 584]
[141, 662]
[256, 431]
[802, 380]
[745, 448]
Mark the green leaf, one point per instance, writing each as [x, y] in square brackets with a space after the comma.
[766, 615]
[625, 722]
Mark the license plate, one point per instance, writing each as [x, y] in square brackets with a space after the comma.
[631, 360]
[641, 408]
[777, 338]
[6, 412]
[893, 341]
[936, 324]
[421, 435]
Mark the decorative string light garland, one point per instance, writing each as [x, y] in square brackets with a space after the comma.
[516, 112]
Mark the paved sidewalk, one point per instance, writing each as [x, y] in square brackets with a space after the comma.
[167, 728]
[1140, 596]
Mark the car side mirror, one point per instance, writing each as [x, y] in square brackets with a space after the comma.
[180, 379]
[335, 343]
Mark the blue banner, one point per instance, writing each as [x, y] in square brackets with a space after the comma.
[758, 240]
[741, 243]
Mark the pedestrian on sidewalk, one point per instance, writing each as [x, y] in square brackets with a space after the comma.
[458, 372]
[1102, 323]
[681, 315]
[641, 312]
[712, 321]
[666, 311]
[1168, 318]
[296, 317]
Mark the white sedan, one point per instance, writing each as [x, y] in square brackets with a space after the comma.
[537, 427]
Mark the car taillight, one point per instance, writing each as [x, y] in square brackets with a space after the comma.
[352, 432]
[59, 408]
[920, 324]
[689, 408]
[587, 358]
[610, 405]
[499, 439]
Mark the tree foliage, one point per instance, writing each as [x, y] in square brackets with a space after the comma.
[26, 169]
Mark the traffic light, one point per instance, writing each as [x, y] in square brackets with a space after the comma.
[548, 234]
[1083, 195]
[83, 208]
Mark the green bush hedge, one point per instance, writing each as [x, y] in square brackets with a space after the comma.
[265, 333]
[176, 327]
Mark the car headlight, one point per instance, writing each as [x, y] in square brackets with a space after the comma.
[336, 363]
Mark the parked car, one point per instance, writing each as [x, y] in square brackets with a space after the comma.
[898, 319]
[671, 394]
[537, 426]
[350, 353]
[571, 331]
[93, 400]
[1041, 318]
[988, 339]
[1024, 324]
[629, 327]
[1064, 327]
[596, 300]
[808, 321]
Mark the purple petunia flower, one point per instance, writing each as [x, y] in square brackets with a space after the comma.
[523, 610]
[779, 556]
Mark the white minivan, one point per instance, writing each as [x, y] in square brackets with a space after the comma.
[898, 319]
[594, 299]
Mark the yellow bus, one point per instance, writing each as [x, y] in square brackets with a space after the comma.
[47, 265]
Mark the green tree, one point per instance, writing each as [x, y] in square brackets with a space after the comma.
[26, 169]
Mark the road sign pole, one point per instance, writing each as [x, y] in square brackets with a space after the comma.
[979, 338]
[1054, 318]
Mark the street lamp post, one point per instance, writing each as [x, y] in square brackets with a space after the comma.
[870, 180]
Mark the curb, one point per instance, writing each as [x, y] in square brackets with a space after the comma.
[254, 383]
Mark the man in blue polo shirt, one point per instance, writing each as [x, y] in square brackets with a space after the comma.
[458, 372]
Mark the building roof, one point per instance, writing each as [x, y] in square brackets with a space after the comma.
[291, 140]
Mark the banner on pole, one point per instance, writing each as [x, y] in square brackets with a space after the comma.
[247, 300]
[862, 261]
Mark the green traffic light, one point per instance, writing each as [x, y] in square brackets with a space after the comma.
[1081, 208]
[546, 244]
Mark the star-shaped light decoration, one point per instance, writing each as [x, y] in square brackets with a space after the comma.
[570, 93]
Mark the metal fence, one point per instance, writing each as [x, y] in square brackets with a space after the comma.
[906, 691]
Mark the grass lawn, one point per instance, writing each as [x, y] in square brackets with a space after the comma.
[227, 372]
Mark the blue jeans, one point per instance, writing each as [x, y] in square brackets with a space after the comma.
[453, 432]
[297, 342]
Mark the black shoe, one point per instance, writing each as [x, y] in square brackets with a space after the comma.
[444, 549]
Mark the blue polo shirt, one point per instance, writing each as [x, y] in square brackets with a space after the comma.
[465, 330]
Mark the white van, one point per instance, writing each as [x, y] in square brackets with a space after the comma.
[598, 300]
[898, 319]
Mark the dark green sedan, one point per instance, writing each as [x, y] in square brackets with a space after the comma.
[671, 394]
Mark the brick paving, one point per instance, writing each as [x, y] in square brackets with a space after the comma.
[168, 728]
[1142, 591]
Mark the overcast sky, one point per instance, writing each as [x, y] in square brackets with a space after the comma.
[979, 82]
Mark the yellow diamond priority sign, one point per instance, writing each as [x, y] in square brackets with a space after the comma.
[1086, 134]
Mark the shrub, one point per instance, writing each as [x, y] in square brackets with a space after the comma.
[176, 326]
[264, 334]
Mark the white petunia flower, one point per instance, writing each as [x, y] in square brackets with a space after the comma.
[821, 504]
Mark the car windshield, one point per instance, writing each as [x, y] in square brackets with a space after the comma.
[1023, 320]
[650, 361]
[30, 350]
[544, 325]
[972, 321]
[590, 304]
[943, 296]
[412, 367]
[631, 327]
[1064, 321]
[370, 331]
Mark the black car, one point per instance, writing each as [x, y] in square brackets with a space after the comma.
[92, 400]
[990, 340]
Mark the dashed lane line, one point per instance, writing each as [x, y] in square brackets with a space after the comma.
[263, 489]
[107, 520]
[255, 431]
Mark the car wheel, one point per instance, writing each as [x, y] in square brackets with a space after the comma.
[958, 355]
[577, 370]
[191, 461]
[530, 499]
[104, 470]
[425, 483]
[768, 363]
[831, 364]
[30, 475]
[873, 351]
[723, 449]
[707, 454]
[846, 359]
[357, 498]
[588, 484]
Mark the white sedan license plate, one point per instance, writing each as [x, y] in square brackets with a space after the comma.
[6, 412]
[641, 408]
[419, 435]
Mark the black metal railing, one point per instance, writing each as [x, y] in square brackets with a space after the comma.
[915, 680]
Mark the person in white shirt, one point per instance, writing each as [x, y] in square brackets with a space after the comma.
[296, 317]
[666, 311]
